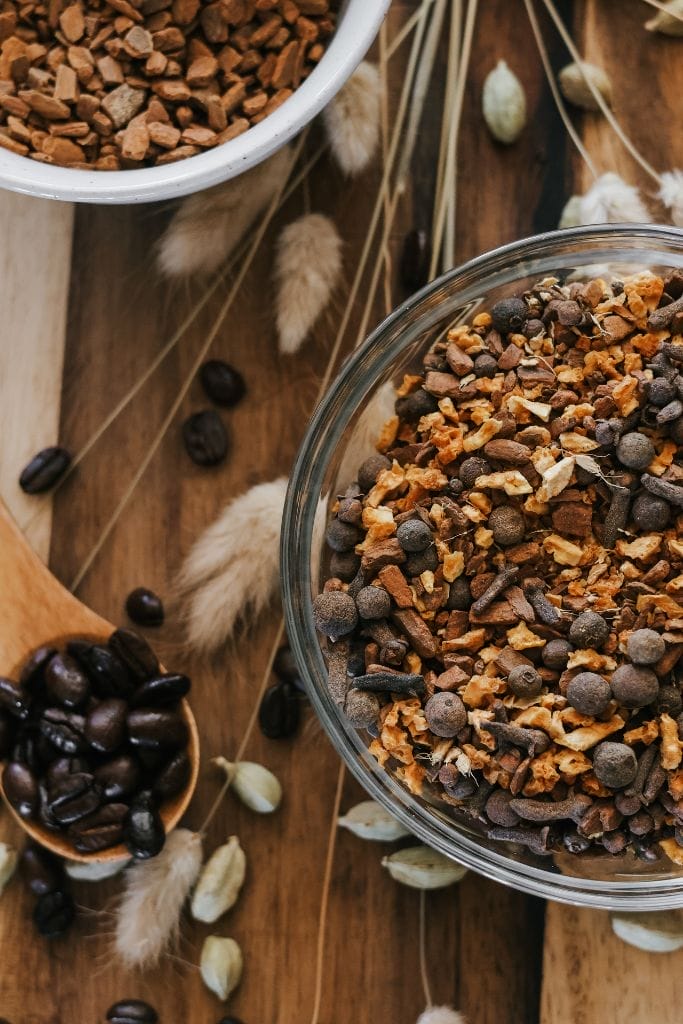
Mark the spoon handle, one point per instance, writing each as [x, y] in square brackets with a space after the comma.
[35, 607]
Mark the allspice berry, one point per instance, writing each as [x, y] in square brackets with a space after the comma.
[373, 603]
[650, 512]
[508, 315]
[414, 406]
[459, 595]
[370, 470]
[589, 630]
[341, 536]
[635, 450]
[334, 613]
[421, 561]
[645, 647]
[589, 693]
[660, 392]
[556, 653]
[507, 525]
[669, 700]
[485, 365]
[524, 681]
[344, 565]
[472, 468]
[445, 714]
[361, 708]
[414, 535]
[634, 687]
[614, 764]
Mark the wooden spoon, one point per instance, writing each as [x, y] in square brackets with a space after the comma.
[38, 610]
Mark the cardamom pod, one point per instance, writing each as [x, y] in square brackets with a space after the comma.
[370, 820]
[660, 931]
[572, 213]
[221, 965]
[420, 867]
[575, 88]
[666, 21]
[255, 785]
[504, 104]
[219, 884]
[8, 862]
[94, 871]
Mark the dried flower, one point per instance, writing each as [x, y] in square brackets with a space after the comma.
[671, 194]
[220, 882]
[611, 201]
[96, 870]
[504, 104]
[8, 863]
[307, 270]
[571, 214]
[221, 965]
[208, 225]
[370, 820]
[420, 867]
[572, 79]
[667, 23]
[233, 570]
[659, 931]
[440, 1015]
[352, 120]
[255, 785]
[148, 916]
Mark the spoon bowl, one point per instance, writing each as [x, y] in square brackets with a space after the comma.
[41, 611]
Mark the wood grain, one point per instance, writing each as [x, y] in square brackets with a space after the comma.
[34, 278]
[119, 316]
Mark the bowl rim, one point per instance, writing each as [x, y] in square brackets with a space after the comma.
[300, 506]
[358, 25]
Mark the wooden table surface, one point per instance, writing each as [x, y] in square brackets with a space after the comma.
[83, 313]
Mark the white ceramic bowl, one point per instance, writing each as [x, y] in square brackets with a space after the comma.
[357, 27]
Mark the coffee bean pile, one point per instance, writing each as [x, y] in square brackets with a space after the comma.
[133, 83]
[95, 742]
[503, 610]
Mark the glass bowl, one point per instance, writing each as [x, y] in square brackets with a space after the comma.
[340, 436]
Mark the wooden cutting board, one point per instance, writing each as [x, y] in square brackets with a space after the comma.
[83, 314]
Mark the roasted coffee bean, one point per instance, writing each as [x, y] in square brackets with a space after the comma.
[54, 913]
[205, 437]
[172, 779]
[285, 666]
[132, 1011]
[416, 256]
[107, 673]
[44, 470]
[61, 769]
[6, 735]
[152, 760]
[41, 870]
[99, 830]
[278, 714]
[162, 691]
[105, 726]
[14, 699]
[155, 728]
[45, 815]
[143, 831]
[70, 786]
[32, 674]
[68, 809]
[118, 777]
[223, 384]
[136, 654]
[66, 683]
[64, 730]
[21, 788]
[145, 607]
